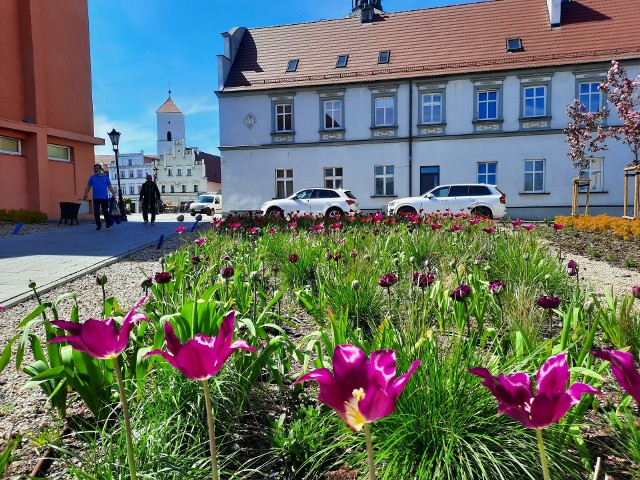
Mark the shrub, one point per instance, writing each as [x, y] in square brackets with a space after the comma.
[620, 227]
[26, 216]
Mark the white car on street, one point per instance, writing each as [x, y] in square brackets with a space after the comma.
[314, 201]
[475, 198]
[207, 203]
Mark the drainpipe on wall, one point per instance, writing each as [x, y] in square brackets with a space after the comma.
[411, 138]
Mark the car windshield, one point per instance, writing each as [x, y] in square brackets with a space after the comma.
[349, 194]
[205, 199]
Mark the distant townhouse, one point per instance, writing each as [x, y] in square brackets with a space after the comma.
[392, 104]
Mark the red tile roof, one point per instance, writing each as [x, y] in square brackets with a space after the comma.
[211, 166]
[467, 38]
[168, 107]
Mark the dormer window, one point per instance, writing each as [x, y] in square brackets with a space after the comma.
[342, 61]
[514, 45]
[292, 66]
[384, 56]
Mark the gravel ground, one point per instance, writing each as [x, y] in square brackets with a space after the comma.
[24, 411]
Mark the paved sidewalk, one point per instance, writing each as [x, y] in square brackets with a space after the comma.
[56, 257]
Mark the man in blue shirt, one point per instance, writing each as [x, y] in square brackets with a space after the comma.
[101, 187]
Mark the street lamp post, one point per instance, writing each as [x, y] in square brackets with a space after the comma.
[155, 171]
[114, 136]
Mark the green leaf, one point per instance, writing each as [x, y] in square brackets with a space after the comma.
[587, 372]
[6, 353]
[37, 311]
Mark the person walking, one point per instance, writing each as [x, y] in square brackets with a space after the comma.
[149, 198]
[101, 188]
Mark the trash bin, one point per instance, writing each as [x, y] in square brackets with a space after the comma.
[69, 211]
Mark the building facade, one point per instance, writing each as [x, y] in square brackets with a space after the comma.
[397, 103]
[46, 114]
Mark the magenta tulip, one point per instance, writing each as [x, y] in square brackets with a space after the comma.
[572, 268]
[388, 280]
[423, 280]
[551, 401]
[635, 291]
[623, 368]
[293, 258]
[460, 292]
[227, 272]
[496, 287]
[558, 226]
[180, 229]
[163, 277]
[360, 390]
[548, 303]
[201, 357]
[102, 339]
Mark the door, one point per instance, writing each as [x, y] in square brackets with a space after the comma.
[429, 178]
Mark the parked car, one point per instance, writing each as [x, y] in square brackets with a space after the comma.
[478, 199]
[207, 203]
[316, 201]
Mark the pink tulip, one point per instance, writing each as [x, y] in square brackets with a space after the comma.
[558, 226]
[623, 368]
[180, 229]
[201, 357]
[360, 390]
[516, 223]
[529, 227]
[551, 401]
[101, 339]
[2, 309]
[200, 241]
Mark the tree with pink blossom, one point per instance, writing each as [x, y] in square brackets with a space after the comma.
[624, 94]
[585, 134]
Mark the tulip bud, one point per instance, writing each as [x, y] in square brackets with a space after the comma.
[635, 291]
[101, 280]
[32, 285]
[412, 260]
[254, 276]
[589, 305]
[355, 285]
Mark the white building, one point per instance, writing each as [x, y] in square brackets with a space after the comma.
[134, 168]
[391, 104]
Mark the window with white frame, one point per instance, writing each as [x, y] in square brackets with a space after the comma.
[487, 104]
[58, 152]
[184, 189]
[162, 189]
[332, 114]
[139, 173]
[594, 172]
[132, 189]
[431, 107]
[173, 189]
[534, 101]
[384, 180]
[169, 174]
[123, 174]
[179, 172]
[590, 96]
[131, 174]
[284, 183]
[283, 117]
[333, 177]
[195, 188]
[488, 172]
[188, 172]
[384, 111]
[10, 145]
[534, 176]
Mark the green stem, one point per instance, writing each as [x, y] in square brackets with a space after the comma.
[372, 465]
[125, 411]
[212, 433]
[543, 455]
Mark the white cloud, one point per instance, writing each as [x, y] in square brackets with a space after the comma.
[135, 136]
[201, 104]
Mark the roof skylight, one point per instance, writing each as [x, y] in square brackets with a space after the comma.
[292, 66]
[514, 44]
[342, 61]
[384, 56]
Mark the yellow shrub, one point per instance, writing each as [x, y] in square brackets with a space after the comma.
[621, 227]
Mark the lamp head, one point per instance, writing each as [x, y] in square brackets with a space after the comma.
[114, 136]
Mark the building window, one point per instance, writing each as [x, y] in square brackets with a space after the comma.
[132, 189]
[184, 189]
[342, 61]
[173, 189]
[292, 66]
[179, 172]
[130, 162]
[58, 152]
[333, 177]
[123, 174]
[140, 173]
[590, 96]
[384, 115]
[594, 172]
[139, 189]
[332, 114]
[188, 172]
[384, 56]
[514, 45]
[195, 188]
[384, 181]
[131, 174]
[431, 107]
[284, 117]
[488, 172]
[169, 174]
[9, 145]
[487, 104]
[535, 101]
[284, 183]
[168, 136]
[162, 189]
[533, 176]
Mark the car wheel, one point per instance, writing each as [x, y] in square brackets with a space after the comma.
[207, 211]
[482, 212]
[275, 212]
[333, 212]
[193, 214]
[405, 211]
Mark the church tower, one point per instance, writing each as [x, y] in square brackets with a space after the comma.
[171, 125]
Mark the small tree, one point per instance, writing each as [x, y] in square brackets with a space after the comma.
[580, 134]
[624, 94]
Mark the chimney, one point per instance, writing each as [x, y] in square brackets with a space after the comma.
[366, 9]
[554, 7]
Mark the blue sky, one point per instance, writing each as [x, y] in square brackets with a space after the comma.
[139, 47]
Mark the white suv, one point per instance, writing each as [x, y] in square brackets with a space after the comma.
[315, 201]
[478, 199]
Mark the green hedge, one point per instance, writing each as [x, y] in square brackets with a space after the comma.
[26, 216]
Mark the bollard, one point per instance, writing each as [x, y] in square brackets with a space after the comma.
[194, 225]
[160, 242]
[17, 229]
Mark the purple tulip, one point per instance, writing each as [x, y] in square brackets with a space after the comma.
[460, 292]
[496, 287]
[360, 390]
[623, 368]
[293, 258]
[423, 280]
[558, 226]
[201, 357]
[275, 268]
[635, 291]
[195, 260]
[101, 339]
[551, 401]
[548, 303]
[2, 309]
[572, 268]
[489, 229]
[226, 272]
[162, 277]
[388, 280]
